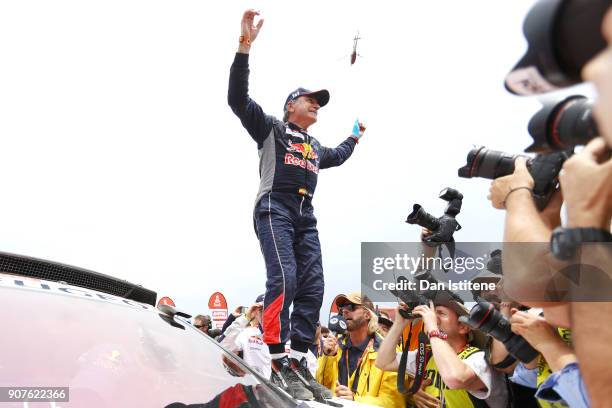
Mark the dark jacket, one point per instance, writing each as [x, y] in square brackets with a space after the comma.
[290, 158]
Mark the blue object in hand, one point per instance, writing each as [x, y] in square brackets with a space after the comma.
[356, 128]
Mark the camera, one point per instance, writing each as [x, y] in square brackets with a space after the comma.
[413, 298]
[444, 227]
[563, 35]
[487, 319]
[562, 125]
[544, 168]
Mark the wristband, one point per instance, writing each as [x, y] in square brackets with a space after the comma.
[244, 40]
[512, 190]
[438, 334]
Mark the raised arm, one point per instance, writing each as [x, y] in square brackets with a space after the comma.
[332, 157]
[252, 116]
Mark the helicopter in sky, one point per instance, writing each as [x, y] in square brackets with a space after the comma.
[354, 54]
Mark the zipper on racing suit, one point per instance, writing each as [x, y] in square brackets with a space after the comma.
[305, 171]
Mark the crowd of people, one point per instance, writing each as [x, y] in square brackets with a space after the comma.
[430, 354]
[461, 367]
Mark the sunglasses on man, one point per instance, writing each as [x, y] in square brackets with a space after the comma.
[351, 307]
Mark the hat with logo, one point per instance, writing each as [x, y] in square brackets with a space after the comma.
[322, 96]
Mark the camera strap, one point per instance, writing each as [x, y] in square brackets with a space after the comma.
[423, 354]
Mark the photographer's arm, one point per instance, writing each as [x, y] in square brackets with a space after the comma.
[526, 257]
[544, 338]
[513, 192]
[232, 332]
[386, 358]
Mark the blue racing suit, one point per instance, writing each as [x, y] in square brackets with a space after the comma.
[289, 163]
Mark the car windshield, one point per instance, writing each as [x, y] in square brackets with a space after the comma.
[113, 352]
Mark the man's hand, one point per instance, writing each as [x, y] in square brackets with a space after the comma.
[423, 399]
[399, 319]
[254, 312]
[358, 129]
[428, 314]
[585, 181]
[551, 214]
[248, 30]
[330, 346]
[533, 328]
[344, 392]
[501, 187]
[237, 312]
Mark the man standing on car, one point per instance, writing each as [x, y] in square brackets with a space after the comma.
[285, 224]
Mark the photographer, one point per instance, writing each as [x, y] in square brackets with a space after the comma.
[459, 373]
[587, 191]
[244, 337]
[557, 376]
[347, 367]
[203, 323]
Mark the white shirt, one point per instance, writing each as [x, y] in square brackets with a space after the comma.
[254, 351]
[239, 336]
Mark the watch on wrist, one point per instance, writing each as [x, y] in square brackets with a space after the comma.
[565, 241]
[244, 40]
[438, 334]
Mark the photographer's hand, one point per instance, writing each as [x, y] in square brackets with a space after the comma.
[429, 251]
[400, 320]
[544, 338]
[533, 328]
[237, 312]
[428, 314]
[423, 399]
[503, 188]
[330, 346]
[587, 187]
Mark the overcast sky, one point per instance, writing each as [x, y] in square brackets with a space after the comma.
[120, 154]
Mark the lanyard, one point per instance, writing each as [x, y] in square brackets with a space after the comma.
[358, 366]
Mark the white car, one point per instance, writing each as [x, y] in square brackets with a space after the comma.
[76, 338]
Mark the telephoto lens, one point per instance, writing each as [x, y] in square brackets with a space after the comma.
[487, 319]
[562, 125]
[489, 164]
[544, 170]
[562, 36]
[421, 217]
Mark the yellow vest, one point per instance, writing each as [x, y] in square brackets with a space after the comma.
[449, 398]
[544, 370]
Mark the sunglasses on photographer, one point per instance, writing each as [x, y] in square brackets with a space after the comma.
[351, 307]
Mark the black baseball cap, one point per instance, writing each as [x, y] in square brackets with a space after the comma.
[260, 299]
[322, 96]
